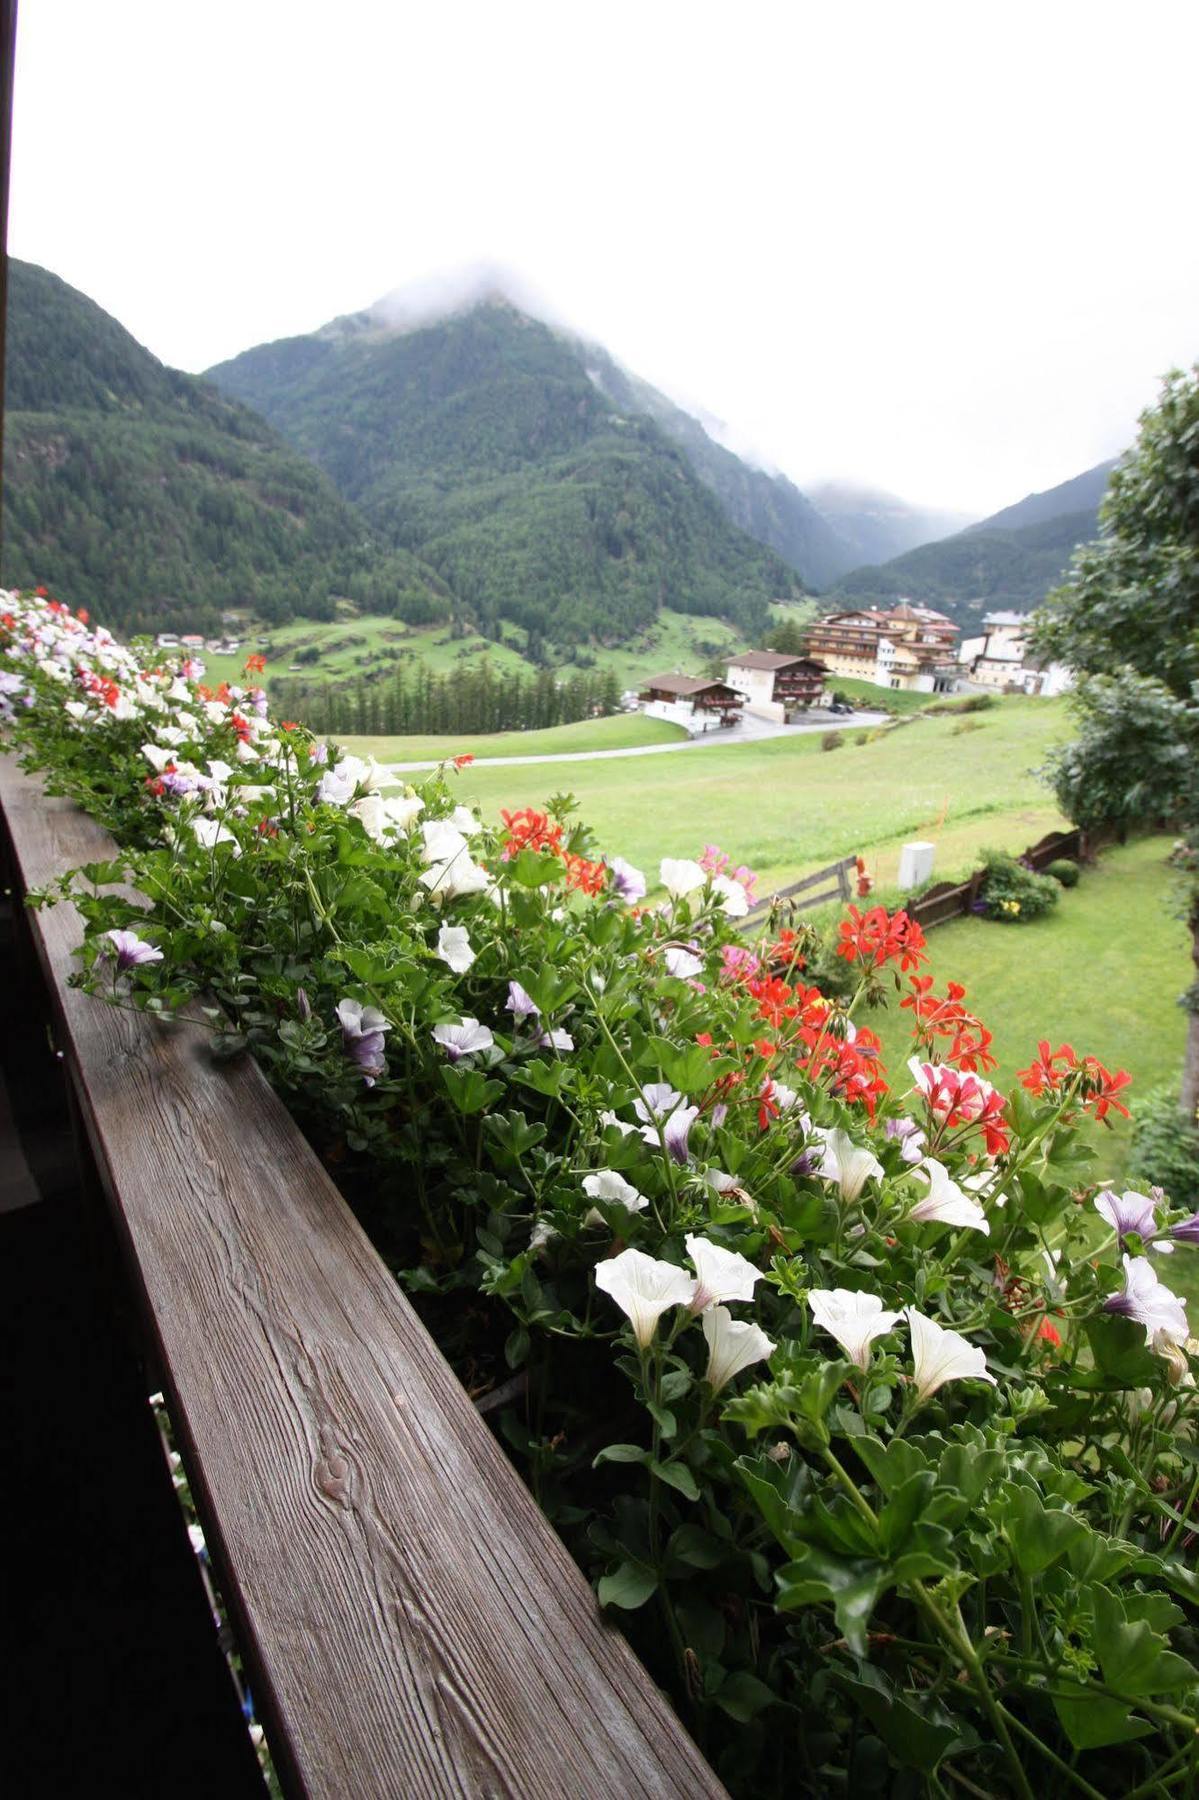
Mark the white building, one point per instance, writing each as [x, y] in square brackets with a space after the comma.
[777, 685]
[1001, 660]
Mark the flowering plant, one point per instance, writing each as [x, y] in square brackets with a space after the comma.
[870, 1414]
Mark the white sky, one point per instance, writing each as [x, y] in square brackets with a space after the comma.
[944, 248]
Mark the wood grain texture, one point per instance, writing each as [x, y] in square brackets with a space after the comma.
[414, 1625]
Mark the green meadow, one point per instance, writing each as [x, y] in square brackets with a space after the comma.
[786, 806]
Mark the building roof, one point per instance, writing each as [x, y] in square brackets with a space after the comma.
[685, 686]
[771, 660]
[1005, 618]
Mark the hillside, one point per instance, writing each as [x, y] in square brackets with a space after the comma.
[1008, 561]
[769, 507]
[1082, 493]
[977, 571]
[481, 443]
[145, 494]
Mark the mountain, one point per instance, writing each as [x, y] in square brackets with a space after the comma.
[1007, 562]
[484, 442]
[769, 507]
[146, 495]
[1082, 493]
[875, 526]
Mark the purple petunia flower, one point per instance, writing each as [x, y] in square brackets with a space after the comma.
[131, 950]
[362, 1035]
[1128, 1213]
[911, 1146]
[1186, 1231]
[554, 1040]
[520, 1004]
[628, 883]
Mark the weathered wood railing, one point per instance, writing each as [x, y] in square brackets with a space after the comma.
[947, 900]
[411, 1623]
[802, 896]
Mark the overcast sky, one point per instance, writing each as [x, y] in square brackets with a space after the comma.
[944, 249]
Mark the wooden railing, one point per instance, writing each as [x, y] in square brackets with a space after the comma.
[815, 890]
[411, 1624]
[951, 899]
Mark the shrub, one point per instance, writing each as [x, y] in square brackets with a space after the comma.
[1064, 872]
[966, 725]
[832, 740]
[861, 737]
[1165, 1148]
[972, 703]
[1012, 892]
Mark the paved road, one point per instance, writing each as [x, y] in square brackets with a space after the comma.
[750, 731]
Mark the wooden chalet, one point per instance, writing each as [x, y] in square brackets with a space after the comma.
[715, 698]
[776, 678]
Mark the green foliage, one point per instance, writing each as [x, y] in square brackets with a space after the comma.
[152, 499]
[1165, 1147]
[1064, 872]
[1013, 893]
[832, 740]
[476, 699]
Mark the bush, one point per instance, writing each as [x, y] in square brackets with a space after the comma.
[972, 703]
[861, 737]
[966, 725]
[1064, 872]
[1165, 1147]
[832, 740]
[1012, 892]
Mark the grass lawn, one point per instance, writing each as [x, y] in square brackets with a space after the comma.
[616, 733]
[785, 806]
[1102, 972]
[892, 700]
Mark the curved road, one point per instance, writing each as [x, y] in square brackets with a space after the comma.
[750, 731]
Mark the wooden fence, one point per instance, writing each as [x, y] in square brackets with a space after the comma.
[411, 1624]
[949, 900]
[815, 890]
[945, 900]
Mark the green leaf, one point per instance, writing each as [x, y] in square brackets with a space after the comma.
[629, 1587]
[692, 1545]
[852, 1584]
[469, 1089]
[890, 1464]
[621, 1453]
[903, 1509]
[1134, 1658]
[665, 1420]
[678, 1476]
[1118, 1346]
[1092, 1720]
[1038, 1534]
[742, 1696]
[916, 1737]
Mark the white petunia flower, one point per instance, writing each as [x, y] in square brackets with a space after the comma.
[733, 1344]
[454, 947]
[940, 1355]
[722, 1274]
[846, 1163]
[681, 963]
[945, 1202]
[734, 901]
[209, 834]
[680, 876]
[611, 1187]
[644, 1288]
[443, 841]
[446, 880]
[854, 1319]
[1149, 1302]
